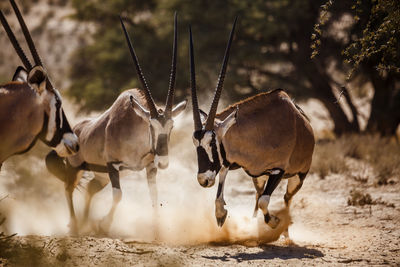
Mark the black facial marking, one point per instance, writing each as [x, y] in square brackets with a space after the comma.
[152, 138]
[223, 155]
[58, 135]
[162, 145]
[203, 160]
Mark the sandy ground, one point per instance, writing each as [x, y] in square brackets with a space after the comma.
[325, 231]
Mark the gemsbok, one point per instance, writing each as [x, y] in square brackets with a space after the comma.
[266, 135]
[30, 106]
[132, 134]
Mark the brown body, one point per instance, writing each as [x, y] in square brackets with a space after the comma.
[266, 135]
[114, 136]
[30, 106]
[270, 132]
[132, 134]
[21, 118]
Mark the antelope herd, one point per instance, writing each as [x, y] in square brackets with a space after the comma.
[266, 135]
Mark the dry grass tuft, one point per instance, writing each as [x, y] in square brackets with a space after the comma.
[382, 154]
[328, 158]
[358, 198]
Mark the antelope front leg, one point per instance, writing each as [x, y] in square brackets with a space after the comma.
[220, 211]
[117, 196]
[151, 171]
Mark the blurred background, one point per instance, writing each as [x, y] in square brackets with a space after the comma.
[343, 54]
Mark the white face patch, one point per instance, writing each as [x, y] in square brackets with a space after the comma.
[68, 145]
[159, 129]
[161, 161]
[51, 125]
[205, 143]
[206, 178]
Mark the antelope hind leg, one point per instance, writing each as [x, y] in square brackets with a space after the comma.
[293, 186]
[263, 202]
[259, 184]
[113, 173]
[94, 186]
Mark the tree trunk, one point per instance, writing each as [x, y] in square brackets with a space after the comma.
[385, 106]
[324, 92]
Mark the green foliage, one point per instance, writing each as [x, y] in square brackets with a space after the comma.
[379, 41]
[374, 33]
[269, 34]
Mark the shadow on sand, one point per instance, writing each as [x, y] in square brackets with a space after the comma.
[270, 252]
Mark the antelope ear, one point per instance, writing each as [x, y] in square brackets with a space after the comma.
[179, 108]
[225, 125]
[37, 78]
[20, 75]
[203, 116]
[139, 109]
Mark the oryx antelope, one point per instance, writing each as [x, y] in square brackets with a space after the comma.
[30, 107]
[266, 134]
[132, 134]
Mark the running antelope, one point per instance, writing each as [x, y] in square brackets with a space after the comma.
[132, 134]
[266, 134]
[30, 107]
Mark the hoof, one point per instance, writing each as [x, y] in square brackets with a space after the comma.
[221, 219]
[271, 220]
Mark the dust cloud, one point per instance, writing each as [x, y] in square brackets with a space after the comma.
[185, 213]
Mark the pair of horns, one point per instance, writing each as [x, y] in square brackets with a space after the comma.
[147, 93]
[213, 109]
[27, 35]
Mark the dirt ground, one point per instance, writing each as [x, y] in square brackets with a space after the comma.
[325, 231]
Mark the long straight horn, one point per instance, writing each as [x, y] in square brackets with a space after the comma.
[27, 35]
[218, 89]
[195, 105]
[171, 89]
[147, 94]
[15, 43]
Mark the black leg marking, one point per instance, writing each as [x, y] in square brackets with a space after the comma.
[272, 183]
[219, 191]
[114, 175]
